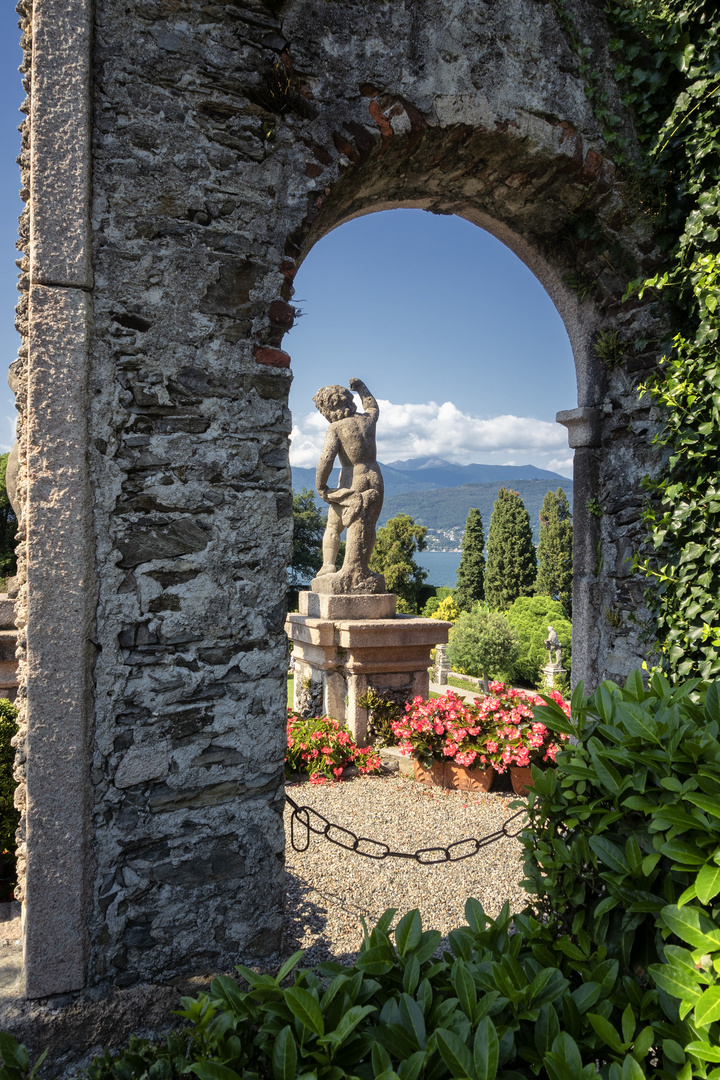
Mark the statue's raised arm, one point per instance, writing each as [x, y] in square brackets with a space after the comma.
[369, 403]
[356, 503]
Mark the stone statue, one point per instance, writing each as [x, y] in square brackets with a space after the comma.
[552, 644]
[356, 504]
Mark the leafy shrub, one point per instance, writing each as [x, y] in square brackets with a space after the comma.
[383, 712]
[482, 643]
[437, 595]
[614, 973]
[446, 610]
[323, 747]
[623, 855]
[529, 618]
[492, 1009]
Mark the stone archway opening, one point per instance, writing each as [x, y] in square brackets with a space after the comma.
[434, 313]
[306, 896]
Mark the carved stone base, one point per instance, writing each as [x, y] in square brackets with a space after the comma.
[345, 582]
[344, 606]
[338, 660]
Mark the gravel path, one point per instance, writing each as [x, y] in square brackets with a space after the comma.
[328, 889]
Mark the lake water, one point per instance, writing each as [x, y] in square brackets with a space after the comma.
[440, 565]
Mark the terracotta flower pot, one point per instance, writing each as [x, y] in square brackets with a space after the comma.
[464, 779]
[434, 777]
[447, 774]
[521, 778]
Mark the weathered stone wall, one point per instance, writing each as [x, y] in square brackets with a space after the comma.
[226, 140]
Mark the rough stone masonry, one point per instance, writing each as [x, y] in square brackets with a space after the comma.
[180, 158]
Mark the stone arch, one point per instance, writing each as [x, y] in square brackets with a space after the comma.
[558, 181]
[184, 156]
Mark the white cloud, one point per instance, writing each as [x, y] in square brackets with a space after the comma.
[432, 430]
[564, 466]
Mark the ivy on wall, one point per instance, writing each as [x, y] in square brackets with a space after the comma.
[674, 89]
[668, 70]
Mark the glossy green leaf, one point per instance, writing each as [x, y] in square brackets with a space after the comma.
[703, 1049]
[610, 854]
[707, 883]
[692, 926]
[211, 1070]
[707, 1009]
[455, 1054]
[677, 981]
[547, 1028]
[408, 932]
[486, 1050]
[304, 1006]
[632, 1070]
[412, 1019]
[289, 964]
[284, 1055]
[607, 1032]
[411, 1067]
[464, 987]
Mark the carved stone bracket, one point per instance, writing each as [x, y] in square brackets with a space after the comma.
[584, 426]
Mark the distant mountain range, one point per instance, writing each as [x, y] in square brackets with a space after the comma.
[427, 474]
[438, 494]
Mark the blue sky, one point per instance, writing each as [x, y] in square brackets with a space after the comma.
[449, 329]
[452, 333]
[11, 95]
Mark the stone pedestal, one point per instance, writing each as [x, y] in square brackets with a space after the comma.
[356, 643]
[551, 672]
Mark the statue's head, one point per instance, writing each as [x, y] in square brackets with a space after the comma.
[335, 403]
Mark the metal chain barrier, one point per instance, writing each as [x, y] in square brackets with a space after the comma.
[310, 821]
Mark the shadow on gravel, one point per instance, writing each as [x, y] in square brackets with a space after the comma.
[306, 917]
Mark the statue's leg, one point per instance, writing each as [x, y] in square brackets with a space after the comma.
[331, 541]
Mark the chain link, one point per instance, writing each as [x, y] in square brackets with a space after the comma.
[307, 819]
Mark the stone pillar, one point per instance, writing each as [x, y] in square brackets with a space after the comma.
[584, 437]
[343, 650]
[442, 665]
[55, 604]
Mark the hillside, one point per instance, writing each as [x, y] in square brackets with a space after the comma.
[433, 474]
[445, 509]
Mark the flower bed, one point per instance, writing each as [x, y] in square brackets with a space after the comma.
[323, 748]
[497, 730]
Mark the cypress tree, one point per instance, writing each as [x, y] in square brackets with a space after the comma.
[511, 561]
[555, 569]
[470, 581]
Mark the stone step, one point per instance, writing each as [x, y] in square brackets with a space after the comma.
[8, 644]
[7, 612]
[8, 676]
[394, 761]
